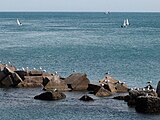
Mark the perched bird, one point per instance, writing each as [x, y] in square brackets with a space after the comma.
[55, 90]
[23, 69]
[107, 73]
[149, 82]
[40, 68]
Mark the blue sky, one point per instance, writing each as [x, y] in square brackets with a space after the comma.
[81, 5]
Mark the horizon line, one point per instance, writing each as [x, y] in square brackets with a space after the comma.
[85, 11]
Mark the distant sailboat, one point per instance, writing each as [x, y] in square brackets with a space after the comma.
[19, 23]
[125, 23]
[107, 13]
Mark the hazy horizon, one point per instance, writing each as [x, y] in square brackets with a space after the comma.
[79, 6]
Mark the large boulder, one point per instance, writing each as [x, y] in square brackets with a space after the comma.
[9, 78]
[93, 88]
[54, 82]
[77, 81]
[148, 104]
[54, 95]
[133, 94]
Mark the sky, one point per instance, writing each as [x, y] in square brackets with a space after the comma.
[81, 5]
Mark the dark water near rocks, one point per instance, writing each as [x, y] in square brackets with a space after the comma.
[92, 43]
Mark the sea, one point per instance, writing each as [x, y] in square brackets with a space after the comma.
[89, 42]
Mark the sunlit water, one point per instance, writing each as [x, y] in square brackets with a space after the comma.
[91, 43]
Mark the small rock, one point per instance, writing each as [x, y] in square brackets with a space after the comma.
[86, 98]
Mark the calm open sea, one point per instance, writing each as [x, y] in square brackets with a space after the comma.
[91, 43]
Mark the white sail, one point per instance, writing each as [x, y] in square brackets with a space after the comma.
[124, 23]
[19, 23]
[127, 22]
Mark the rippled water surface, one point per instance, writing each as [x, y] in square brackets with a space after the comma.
[92, 43]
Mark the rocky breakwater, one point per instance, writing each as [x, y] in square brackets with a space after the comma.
[145, 100]
[11, 77]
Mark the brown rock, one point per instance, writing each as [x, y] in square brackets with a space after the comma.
[102, 92]
[77, 81]
[54, 82]
[9, 78]
[31, 81]
[11, 67]
[121, 87]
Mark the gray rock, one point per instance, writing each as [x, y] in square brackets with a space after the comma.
[158, 89]
[148, 104]
[86, 98]
[50, 96]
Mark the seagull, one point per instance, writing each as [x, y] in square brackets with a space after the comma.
[40, 68]
[55, 90]
[23, 69]
[149, 82]
[56, 72]
[143, 89]
[107, 73]
[106, 81]
[102, 85]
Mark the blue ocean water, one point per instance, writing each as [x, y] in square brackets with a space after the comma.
[91, 43]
